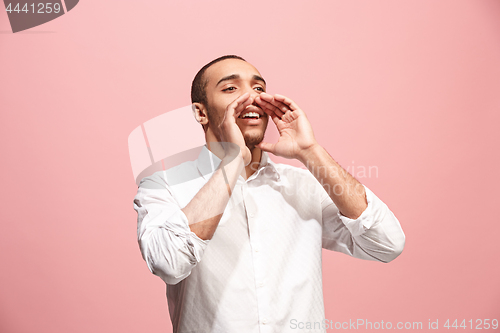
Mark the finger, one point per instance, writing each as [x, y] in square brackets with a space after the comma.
[268, 111]
[289, 116]
[274, 117]
[231, 108]
[266, 105]
[275, 102]
[241, 107]
[276, 120]
[234, 104]
[268, 147]
[287, 101]
[239, 104]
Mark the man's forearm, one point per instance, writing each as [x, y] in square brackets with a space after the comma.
[205, 210]
[346, 192]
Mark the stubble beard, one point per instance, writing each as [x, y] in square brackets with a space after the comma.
[253, 139]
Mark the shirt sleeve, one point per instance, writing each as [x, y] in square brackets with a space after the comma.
[375, 235]
[169, 247]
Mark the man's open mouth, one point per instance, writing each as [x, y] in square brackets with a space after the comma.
[253, 115]
[251, 112]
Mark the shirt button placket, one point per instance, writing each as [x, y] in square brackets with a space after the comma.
[258, 256]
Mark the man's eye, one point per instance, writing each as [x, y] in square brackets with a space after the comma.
[260, 89]
[229, 89]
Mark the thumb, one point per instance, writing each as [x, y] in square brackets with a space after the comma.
[268, 147]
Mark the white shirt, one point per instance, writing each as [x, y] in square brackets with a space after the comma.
[261, 271]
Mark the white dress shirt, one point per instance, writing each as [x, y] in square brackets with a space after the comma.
[261, 271]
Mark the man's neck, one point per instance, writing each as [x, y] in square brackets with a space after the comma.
[254, 163]
[250, 168]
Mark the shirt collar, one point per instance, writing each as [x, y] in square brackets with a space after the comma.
[267, 167]
[208, 162]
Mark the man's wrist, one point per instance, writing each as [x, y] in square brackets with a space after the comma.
[310, 153]
[230, 151]
[231, 156]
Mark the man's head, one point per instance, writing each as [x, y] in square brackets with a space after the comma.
[218, 84]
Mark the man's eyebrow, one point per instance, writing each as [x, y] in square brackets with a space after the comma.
[258, 78]
[237, 76]
[229, 77]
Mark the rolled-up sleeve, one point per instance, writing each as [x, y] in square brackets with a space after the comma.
[375, 235]
[169, 247]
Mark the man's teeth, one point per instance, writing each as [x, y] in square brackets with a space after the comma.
[251, 115]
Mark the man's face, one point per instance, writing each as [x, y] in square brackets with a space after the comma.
[227, 80]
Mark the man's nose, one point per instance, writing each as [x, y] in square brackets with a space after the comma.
[253, 93]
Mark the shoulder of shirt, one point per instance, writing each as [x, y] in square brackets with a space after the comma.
[290, 170]
[300, 177]
[172, 176]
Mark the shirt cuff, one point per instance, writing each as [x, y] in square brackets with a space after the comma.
[196, 245]
[364, 221]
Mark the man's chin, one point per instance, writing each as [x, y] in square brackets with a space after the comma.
[251, 139]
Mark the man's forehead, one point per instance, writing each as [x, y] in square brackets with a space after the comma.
[228, 67]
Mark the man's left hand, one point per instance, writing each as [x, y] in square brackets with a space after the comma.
[296, 134]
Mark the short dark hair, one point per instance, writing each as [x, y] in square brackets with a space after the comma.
[198, 92]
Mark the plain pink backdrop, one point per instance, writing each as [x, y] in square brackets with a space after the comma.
[411, 87]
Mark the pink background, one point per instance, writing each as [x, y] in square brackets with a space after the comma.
[411, 87]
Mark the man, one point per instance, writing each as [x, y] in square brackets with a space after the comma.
[238, 238]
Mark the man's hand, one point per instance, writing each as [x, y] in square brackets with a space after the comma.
[229, 130]
[297, 141]
[296, 134]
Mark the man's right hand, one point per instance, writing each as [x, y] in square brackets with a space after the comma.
[205, 210]
[230, 132]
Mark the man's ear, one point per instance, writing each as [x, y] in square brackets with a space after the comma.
[200, 113]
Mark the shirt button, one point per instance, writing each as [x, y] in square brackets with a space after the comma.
[250, 214]
[256, 249]
[260, 284]
[264, 321]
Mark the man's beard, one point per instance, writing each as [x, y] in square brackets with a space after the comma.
[253, 139]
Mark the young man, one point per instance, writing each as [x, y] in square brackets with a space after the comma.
[238, 238]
